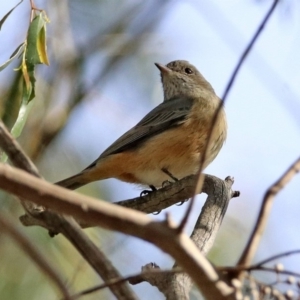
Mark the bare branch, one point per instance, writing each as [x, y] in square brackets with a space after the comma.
[219, 193]
[207, 226]
[288, 253]
[56, 223]
[265, 209]
[249, 47]
[21, 160]
[9, 228]
[214, 120]
[15, 152]
[171, 194]
[133, 279]
[205, 231]
[162, 234]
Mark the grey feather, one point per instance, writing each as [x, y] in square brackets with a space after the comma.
[165, 116]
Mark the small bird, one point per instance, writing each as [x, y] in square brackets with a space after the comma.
[169, 141]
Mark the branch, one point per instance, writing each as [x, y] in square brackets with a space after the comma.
[56, 223]
[205, 230]
[162, 234]
[8, 227]
[216, 115]
[148, 270]
[265, 209]
[212, 214]
[21, 160]
[206, 227]
[249, 48]
[267, 260]
[169, 195]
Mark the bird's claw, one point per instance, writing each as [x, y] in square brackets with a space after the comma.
[180, 203]
[147, 192]
[166, 183]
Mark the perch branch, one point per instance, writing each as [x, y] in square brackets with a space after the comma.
[162, 234]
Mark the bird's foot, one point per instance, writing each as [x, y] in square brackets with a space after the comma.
[166, 171]
[180, 203]
[166, 183]
[147, 192]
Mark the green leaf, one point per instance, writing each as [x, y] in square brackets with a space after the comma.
[16, 53]
[29, 80]
[7, 15]
[19, 124]
[42, 46]
[36, 51]
[21, 120]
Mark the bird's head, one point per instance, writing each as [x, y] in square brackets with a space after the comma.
[180, 78]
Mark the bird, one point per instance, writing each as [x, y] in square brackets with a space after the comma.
[169, 142]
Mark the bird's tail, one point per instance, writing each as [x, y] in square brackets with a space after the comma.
[73, 182]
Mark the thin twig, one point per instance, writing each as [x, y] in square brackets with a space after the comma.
[256, 268]
[288, 253]
[249, 47]
[124, 279]
[9, 227]
[265, 209]
[228, 87]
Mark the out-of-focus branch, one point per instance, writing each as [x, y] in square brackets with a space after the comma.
[133, 279]
[9, 228]
[214, 120]
[162, 234]
[274, 257]
[249, 48]
[15, 152]
[265, 209]
[56, 223]
[21, 160]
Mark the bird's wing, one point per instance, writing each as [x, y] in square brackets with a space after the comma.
[163, 117]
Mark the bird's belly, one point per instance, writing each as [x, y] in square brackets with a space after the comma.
[177, 150]
[174, 151]
[156, 176]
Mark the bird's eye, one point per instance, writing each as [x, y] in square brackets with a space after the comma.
[188, 71]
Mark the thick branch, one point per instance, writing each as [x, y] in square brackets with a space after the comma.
[162, 234]
[21, 160]
[171, 194]
[178, 285]
[57, 223]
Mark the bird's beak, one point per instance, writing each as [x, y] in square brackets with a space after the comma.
[163, 69]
